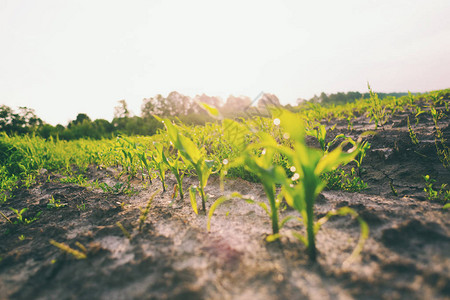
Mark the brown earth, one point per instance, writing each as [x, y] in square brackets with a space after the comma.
[174, 257]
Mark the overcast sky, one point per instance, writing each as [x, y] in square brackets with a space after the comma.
[66, 57]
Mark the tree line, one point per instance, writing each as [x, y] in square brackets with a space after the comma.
[173, 106]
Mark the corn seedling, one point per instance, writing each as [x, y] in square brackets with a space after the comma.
[418, 112]
[80, 180]
[81, 207]
[65, 248]
[21, 218]
[410, 98]
[124, 231]
[158, 161]
[258, 159]
[275, 228]
[363, 147]
[145, 165]
[29, 180]
[393, 189]
[176, 166]
[309, 164]
[433, 194]
[261, 164]
[443, 151]
[196, 158]
[146, 210]
[377, 112]
[117, 188]
[349, 120]
[340, 180]
[54, 203]
[412, 134]
[320, 133]
[128, 149]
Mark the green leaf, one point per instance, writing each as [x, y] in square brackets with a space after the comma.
[287, 219]
[301, 237]
[214, 207]
[235, 133]
[211, 110]
[334, 159]
[343, 211]
[292, 124]
[188, 149]
[273, 237]
[260, 204]
[229, 197]
[192, 196]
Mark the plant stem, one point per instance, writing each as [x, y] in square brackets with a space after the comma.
[270, 192]
[202, 193]
[310, 199]
[310, 230]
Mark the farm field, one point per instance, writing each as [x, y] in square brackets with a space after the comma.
[346, 202]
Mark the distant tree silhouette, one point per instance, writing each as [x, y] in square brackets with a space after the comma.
[236, 105]
[79, 119]
[122, 111]
[21, 122]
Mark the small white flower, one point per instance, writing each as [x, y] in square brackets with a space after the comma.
[276, 122]
[295, 177]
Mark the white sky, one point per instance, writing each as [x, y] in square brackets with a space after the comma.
[66, 57]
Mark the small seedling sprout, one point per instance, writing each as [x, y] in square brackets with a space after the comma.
[75, 253]
[146, 210]
[124, 231]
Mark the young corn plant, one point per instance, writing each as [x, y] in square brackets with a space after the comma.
[129, 161]
[340, 180]
[320, 133]
[176, 167]
[434, 194]
[124, 230]
[412, 134]
[377, 112]
[260, 162]
[67, 249]
[362, 152]
[349, 118]
[196, 158]
[146, 210]
[21, 218]
[145, 165]
[158, 162]
[54, 203]
[310, 164]
[443, 151]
